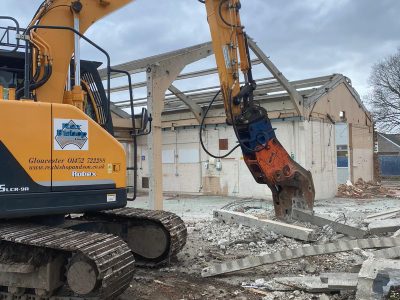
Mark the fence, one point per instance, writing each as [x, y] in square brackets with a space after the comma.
[389, 165]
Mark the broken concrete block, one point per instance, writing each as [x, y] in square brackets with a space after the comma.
[272, 285]
[388, 253]
[363, 254]
[382, 215]
[383, 226]
[310, 284]
[296, 232]
[377, 276]
[326, 277]
[340, 281]
[326, 283]
[287, 254]
[320, 220]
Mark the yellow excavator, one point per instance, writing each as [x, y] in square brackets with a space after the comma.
[65, 230]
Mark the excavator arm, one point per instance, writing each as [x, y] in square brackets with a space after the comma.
[53, 48]
[266, 158]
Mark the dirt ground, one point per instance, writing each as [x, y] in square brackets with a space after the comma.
[182, 280]
[210, 242]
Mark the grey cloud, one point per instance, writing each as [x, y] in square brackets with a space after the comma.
[304, 38]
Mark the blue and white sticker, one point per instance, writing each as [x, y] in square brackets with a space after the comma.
[71, 134]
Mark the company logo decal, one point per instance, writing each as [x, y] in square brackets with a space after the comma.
[71, 134]
[83, 174]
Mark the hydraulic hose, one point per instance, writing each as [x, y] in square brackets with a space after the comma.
[201, 131]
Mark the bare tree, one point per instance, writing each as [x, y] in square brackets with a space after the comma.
[385, 96]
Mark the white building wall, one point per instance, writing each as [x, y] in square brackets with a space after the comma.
[320, 155]
[188, 169]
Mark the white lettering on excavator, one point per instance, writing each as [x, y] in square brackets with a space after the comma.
[83, 174]
[4, 189]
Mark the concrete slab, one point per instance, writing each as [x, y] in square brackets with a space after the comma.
[382, 215]
[321, 220]
[340, 281]
[375, 278]
[310, 284]
[288, 254]
[293, 231]
[326, 277]
[383, 226]
[388, 253]
[315, 284]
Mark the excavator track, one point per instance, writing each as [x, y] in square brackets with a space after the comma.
[106, 256]
[171, 225]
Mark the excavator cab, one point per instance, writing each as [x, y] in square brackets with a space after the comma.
[52, 154]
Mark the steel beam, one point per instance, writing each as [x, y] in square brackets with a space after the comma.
[180, 77]
[194, 108]
[140, 65]
[160, 75]
[263, 89]
[294, 94]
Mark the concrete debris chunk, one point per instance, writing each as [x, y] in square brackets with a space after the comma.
[330, 277]
[320, 220]
[340, 281]
[311, 284]
[389, 253]
[378, 278]
[328, 283]
[383, 226]
[288, 254]
[363, 254]
[288, 230]
[382, 215]
[270, 285]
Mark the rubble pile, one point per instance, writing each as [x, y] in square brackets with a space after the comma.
[234, 239]
[363, 190]
[318, 268]
[244, 253]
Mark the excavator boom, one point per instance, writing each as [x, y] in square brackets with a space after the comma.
[266, 158]
[58, 158]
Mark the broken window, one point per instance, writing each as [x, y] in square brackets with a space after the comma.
[342, 115]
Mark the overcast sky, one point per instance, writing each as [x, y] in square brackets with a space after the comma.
[304, 38]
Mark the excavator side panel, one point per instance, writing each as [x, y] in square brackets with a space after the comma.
[56, 160]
